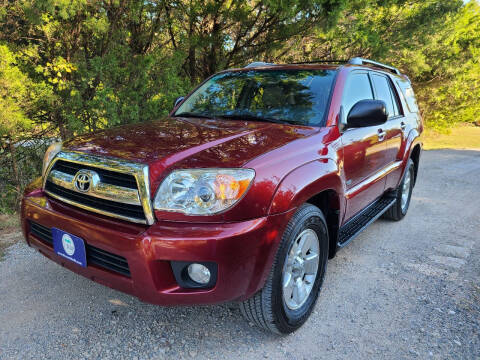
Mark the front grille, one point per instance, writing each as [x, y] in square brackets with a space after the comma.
[106, 176]
[126, 210]
[95, 256]
[115, 187]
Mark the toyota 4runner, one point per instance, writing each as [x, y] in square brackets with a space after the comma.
[242, 193]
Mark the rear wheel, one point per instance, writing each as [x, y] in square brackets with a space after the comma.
[292, 288]
[403, 194]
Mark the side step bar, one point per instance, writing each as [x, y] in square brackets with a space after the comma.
[359, 222]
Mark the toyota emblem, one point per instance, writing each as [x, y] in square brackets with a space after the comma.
[83, 181]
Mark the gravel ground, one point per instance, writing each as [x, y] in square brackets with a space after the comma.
[400, 290]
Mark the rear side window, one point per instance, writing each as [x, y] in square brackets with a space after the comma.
[383, 91]
[409, 96]
[357, 88]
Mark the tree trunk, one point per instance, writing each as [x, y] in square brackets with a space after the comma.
[16, 174]
[191, 63]
[191, 45]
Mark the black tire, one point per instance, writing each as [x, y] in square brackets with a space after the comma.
[397, 212]
[267, 307]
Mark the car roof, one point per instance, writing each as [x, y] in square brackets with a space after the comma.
[354, 63]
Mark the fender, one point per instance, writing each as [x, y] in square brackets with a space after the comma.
[412, 140]
[293, 190]
[307, 181]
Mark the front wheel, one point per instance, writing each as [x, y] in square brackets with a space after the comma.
[292, 288]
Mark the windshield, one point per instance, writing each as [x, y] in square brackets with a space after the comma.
[297, 97]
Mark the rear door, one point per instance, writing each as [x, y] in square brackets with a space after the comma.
[395, 128]
[363, 150]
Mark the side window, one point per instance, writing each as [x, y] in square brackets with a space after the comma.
[408, 94]
[356, 88]
[397, 109]
[383, 92]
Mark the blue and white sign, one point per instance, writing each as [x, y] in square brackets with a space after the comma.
[69, 246]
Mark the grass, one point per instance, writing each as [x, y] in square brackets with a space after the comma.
[9, 222]
[465, 137]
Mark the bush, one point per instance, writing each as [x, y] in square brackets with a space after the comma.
[28, 157]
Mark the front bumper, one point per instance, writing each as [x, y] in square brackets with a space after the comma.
[244, 251]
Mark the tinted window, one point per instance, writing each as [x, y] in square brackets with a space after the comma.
[357, 88]
[396, 106]
[384, 92]
[295, 96]
[408, 95]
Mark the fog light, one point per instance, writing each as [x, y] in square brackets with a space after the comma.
[199, 273]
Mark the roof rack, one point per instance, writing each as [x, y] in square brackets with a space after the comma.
[353, 61]
[360, 61]
[321, 62]
[261, 63]
[258, 64]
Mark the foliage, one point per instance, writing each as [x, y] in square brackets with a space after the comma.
[449, 80]
[220, 34]
[28, 159]
[13, 95]
[73, 66]
[115, 62]
[435, 42]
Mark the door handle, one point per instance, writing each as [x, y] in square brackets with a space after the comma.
[381, 135]
[403, 126]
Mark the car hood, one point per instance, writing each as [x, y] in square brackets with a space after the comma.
[189, 142]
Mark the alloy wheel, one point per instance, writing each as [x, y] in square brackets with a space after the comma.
[406, 190]
[300, 269]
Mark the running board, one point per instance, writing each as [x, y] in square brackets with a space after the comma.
[359, 222]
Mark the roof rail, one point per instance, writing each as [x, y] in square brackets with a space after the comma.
[321, 62]
[360, 61]
[258, 64]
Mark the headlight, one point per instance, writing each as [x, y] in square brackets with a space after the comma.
[202, 191]
[51, 152]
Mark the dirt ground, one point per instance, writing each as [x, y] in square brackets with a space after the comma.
[406, 289]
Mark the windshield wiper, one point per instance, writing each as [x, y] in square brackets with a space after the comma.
[192, 114]
[251, 117]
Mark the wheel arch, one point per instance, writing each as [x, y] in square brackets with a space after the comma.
[415, 156]
[318, 183]
[412, 150]
[328, 201]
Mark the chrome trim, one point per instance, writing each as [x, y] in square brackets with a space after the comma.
[98, 211]
[139, 171]
[144, 192]
[98, 189]
[85, 177]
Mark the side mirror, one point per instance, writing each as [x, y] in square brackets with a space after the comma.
[177, 101]
[367, 113]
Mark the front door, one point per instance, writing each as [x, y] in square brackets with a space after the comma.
[363, 150]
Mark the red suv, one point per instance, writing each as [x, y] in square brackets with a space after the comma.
[241, 194]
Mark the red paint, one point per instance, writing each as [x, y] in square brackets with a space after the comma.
[292, 164]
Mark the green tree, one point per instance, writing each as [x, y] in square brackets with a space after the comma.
[18, 103]
[74, 66]
[114, 62]
[435, 42]
[447, 72]
[105, 61]
[218, 34]
[14, 106]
